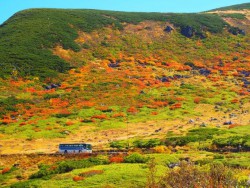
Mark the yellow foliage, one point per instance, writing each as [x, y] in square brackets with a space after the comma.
[161, 149]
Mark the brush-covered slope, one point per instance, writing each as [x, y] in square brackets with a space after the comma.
[145, 68]
[235, 7]
[28, 37]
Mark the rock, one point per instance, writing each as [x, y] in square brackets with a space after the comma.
[201, 35]
[228, 123]
[164, 79]
[168, 29]
[236, 31]
[204, 72]
[232, 115]
[242, 32]
[142, 92]
[187, 31]
[191, 121]
[213, 119]
[172, 165]
[203, 125]
[66, 132]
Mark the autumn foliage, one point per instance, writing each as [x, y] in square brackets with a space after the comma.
[78, 178]
[116, 159]
[5, 170]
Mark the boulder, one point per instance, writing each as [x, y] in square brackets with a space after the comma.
[168, 29]
[187, 31]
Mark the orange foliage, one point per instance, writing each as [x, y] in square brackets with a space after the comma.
[116, 159]
[234, 125]
[5, 170]
[132, 110]
[197, 100]
[154, 113]
[86, 104]
[68, 123]
[175, 106]
[22, 124]
[234, 101]
[102, 116]
[31, 90]
[78, 178]
[160, 103]
[58, 102]
[118, 115]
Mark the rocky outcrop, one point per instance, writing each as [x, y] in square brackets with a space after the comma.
[168, 29]
[187, 31]
[236, 31]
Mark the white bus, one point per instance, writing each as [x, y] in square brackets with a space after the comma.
[75, 148]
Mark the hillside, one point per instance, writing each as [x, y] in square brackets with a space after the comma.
[167, 89]
[234, 7]
[27, 38]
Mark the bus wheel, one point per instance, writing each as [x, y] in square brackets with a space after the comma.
[65, 151]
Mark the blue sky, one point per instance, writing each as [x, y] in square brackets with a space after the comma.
[9, 7]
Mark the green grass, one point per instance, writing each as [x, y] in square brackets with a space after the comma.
[115, 175]
[127, 175]
[235, 16]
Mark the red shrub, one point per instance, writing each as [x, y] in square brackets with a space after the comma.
[197, 100]
[234, 101]
[154, 113]
[118, 115]
[5, 170]
[68, 123]
[116, 159]
[160, 103]
[22, 124]
[102, 116]
[175, 106]
[233, 125]
[78, 178]
[132, 110]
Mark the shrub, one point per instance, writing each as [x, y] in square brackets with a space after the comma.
[116, 159]
[102, 116]
[135, 158]
[68, 123]
[188, 175]
[161, 149]
[78, 178]
[147, 143]
[5, 170]
[197, 100]
[132, 110]
[117, 144]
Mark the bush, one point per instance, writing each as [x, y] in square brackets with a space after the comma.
[188, 175]
[161, 149]
[66, 166]
[78, 178]
[116, 159]
[117, 144]
[135, 158]
[147, 143]
[5, 170]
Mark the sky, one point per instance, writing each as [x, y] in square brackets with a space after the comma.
[9, 7]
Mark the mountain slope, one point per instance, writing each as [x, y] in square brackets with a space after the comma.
[234, 7]
[27, 38]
